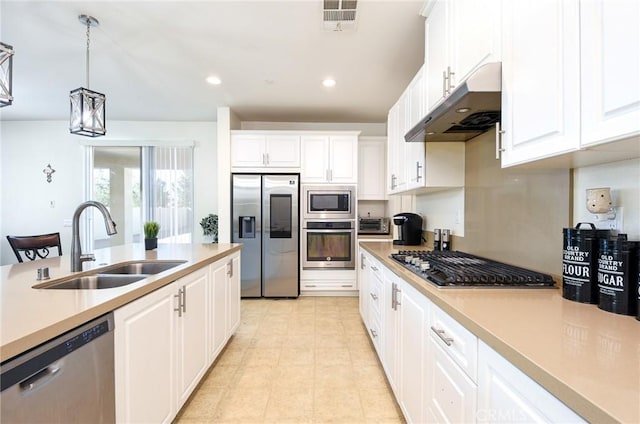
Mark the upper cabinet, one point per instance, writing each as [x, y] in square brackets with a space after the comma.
[329, 158]
[540, 79]
[460, 35]
[371, 165]
[610, 70]
[265, 151]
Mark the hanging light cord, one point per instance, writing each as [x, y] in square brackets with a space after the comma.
[88, 37]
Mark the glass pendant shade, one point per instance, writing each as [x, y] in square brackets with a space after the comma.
[87, 113]
[6, 71]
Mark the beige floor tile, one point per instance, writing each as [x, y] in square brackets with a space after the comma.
[376, 403]
[293, 341]
[256, 377]
[331, 341]
[203, 405]
[267, 341]
[370, 377]
[335, 376]
[359, 342]
[297, 356]
[220, 376]
[287, 403]
[333, 356]
[294, 376]
[248, 405]
[336, 405]
[364, 357]
[261, 356]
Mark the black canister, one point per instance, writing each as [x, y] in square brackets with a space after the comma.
[617, 276]
[580, 262]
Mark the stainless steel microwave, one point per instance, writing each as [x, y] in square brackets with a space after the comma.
[329, 202]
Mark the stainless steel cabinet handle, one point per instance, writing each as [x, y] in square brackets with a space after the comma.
[264, 162]
[449, 79]
[393, 296]
[310, 285]
[374, 268]
[418, 168]
[345, 285]
[373, 332]
[267, 156]
[331, 175]
[393, 181]
[397, 301]
[444, 83]
[184, 299]
[230, 268]
[363, 263]
[374, 296]
[447, 340]
[179, 297]
[499, 148]
[39, 378]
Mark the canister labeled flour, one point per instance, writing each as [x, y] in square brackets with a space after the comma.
[579, 262]
[617, 276]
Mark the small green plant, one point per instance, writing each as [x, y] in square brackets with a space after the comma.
[209, 226]
[151, 229]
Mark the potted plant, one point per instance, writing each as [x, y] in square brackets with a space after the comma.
[209, 226]
[151, 229]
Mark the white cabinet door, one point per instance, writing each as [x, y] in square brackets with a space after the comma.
[417, 103]
[540, 79]
[506, 394]
[282, 151]
[393, 157]
[371, 168]
[610, 69]
[451, 395]
[315, 159]
[413, 316]
[191, 330]
[343, 159]
[475, 36]
[145, 382]
[437, 46]
[248, 150]
[414, 159]
[233, 294]
[390, 329]
[218, 311]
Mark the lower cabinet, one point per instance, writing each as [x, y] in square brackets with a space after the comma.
[439, 371]
[506, 394]
[166, 340]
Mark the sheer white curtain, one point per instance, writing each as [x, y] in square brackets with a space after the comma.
[169, 197]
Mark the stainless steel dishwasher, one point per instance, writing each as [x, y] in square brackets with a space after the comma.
[67, 379]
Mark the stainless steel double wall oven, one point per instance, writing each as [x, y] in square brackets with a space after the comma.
[328, 227]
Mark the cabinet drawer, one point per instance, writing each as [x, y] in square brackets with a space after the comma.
[333, 285]
[374, 333]
[375, 297]
[458, 342]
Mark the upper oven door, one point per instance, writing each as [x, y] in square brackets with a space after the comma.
[329, 202]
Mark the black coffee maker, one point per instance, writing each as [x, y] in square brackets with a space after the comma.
[409, 228]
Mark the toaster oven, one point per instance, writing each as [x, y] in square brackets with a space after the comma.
[373, 225]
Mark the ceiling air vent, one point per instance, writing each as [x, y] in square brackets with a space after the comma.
[339, 15]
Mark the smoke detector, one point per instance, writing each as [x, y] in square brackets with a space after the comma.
[339, 15]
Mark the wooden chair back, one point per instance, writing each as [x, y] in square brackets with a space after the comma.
[34, 247]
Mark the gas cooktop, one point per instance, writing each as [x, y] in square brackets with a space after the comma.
[459, 269]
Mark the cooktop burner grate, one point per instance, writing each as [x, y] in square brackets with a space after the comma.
[453, 268]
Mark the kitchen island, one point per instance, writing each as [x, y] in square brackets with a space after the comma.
[587, 358]
[31, 316]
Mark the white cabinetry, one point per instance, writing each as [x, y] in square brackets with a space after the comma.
[506, 394]
[609, 70]
[166, 340]
[395, 151]
[451, 371]
[329, 159]
[145, 350]
[250, 150]
[371, 168]
[460, 35]
[540, 79]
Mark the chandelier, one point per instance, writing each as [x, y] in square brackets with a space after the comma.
[6, 71]
[87, 106]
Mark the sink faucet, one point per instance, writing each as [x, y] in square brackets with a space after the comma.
[77, 258]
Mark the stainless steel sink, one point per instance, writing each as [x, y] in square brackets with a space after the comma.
[117, 275]
[148, 268]
[98, 281]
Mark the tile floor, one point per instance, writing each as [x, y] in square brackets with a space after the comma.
[305, 360]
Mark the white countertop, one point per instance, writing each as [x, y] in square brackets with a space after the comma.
[29, 317]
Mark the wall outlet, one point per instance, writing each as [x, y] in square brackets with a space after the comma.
[616, 223]
[458, 216]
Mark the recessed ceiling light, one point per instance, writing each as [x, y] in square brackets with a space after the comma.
[329, 82]
[213, 80]
[463, 110]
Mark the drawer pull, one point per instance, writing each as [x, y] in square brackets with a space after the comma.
[447, 340]
[374, 333]
[346, 285]
[374, 268]
[374, 296]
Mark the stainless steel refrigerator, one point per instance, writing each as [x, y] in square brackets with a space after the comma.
[265, 219]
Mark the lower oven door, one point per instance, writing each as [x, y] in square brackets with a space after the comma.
[328, 249]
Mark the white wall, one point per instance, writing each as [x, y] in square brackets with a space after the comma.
[624, 180]
[28, 146]
[366, 129]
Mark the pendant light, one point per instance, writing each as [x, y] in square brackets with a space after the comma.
[87, 107]
[6, 73]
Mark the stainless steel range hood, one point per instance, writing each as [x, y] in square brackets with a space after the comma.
[472, 108]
